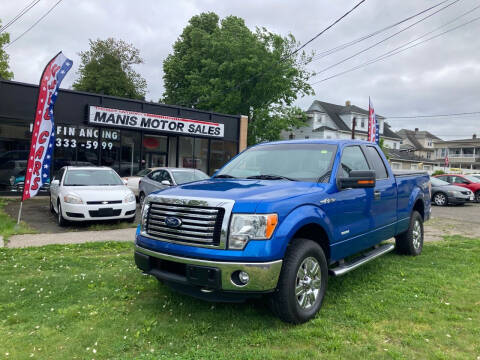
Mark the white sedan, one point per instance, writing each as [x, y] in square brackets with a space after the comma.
[90, 193]
[132, 181]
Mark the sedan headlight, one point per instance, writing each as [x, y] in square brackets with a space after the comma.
[129, 198]
[72, 199]
[246, 227]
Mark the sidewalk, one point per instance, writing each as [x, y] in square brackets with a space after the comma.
[80, 237]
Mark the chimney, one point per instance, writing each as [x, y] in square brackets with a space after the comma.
[416, 130]
[474, 137]
[348, 103]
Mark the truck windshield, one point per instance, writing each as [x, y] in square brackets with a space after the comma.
[299, 162]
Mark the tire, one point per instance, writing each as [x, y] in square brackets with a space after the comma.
[52, 209]
[411, 241]
[295, 300]
[60, 219]
[477, 196]
[141, 198]
[440, 199]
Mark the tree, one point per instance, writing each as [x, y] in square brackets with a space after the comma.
[108, 68]
[384, 148]
[5, 73]
[223, 66]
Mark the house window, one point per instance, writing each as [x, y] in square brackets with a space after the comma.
[394, 145]
[395, 166]
[362, 123]
[307, 137]
[291, 136]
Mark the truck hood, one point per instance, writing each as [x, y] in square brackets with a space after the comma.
[247, 194]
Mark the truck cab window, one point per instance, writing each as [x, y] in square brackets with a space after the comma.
[352, 159]
[377, 163]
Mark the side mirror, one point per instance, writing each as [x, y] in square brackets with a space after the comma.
[55, 182]
[358, 179]
[125, 181]
[166, 183]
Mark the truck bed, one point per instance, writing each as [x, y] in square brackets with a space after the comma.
[400, 173]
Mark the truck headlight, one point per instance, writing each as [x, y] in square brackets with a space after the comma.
[129, 198]
[72, 199]
[144, 214]
[245, 227]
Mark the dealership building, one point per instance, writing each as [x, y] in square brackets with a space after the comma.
[124, 134]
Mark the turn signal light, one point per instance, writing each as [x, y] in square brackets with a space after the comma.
[272, 221]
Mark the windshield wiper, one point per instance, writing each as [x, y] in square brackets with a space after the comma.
[270, 177]
[225, 176]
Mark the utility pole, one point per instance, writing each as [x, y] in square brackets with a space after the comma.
[354, 123]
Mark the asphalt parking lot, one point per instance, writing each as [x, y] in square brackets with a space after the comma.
[36, 213]
[446, 220]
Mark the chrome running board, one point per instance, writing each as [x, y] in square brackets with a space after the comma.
[344, 267]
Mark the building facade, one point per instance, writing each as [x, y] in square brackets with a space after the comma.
[461, 154]
[127, 135]
[331, 121]
[421, 143]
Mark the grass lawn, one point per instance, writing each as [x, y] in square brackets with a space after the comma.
[8, 225]
[90, 302]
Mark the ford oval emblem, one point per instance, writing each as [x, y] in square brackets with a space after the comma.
[173, 222]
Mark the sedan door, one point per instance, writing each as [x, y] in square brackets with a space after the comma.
[55, 186]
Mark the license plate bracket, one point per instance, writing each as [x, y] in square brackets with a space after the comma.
[105, 212]
[204, 276]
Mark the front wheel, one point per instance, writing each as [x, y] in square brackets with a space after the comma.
[477, 196]
[60, 219]
[141, 198]
[302, 283]
[440, 199]
[411, 241]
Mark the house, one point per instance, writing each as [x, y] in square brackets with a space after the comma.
[331, 121]
[462, 154]
[404, 159]
[421, 143]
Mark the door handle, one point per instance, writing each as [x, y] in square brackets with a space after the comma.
[376, 195]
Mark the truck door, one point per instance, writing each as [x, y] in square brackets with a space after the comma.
[350, 210]
[384, 204]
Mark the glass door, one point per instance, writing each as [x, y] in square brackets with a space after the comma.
[154, 159]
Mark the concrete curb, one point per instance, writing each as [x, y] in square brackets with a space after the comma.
[81, 237]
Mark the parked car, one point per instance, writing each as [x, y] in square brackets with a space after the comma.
[443, 193]
[476, 175]
[278, 218]
[466, 181]
[132, 181]
[17, 182]
[90, 193]
[161, 178]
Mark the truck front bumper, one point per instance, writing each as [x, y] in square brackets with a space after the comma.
[207, 275]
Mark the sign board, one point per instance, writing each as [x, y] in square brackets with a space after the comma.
[98, 115]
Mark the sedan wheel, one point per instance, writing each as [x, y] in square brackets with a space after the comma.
[60, 219]
[440, 199]
[141, 199]
[477, 196]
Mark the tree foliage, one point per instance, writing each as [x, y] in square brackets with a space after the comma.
[5, 72]
[107, 67]
[224, 66]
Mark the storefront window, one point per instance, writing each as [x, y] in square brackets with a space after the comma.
[65, 146]
[129, 153]
[87, 146]
[110, 148]
[185, 149]
[14, 150]
[154, 151]
[220, 153]
[201, 154]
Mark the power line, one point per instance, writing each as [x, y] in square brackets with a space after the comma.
[356, 41]
[432, 116]
[328, 27]
[394, 52]
[19, 15]
[34, 24]
[385, 39]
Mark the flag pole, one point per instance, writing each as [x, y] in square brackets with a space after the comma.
[19, 213]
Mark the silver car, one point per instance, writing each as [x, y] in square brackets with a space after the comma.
[161, 178]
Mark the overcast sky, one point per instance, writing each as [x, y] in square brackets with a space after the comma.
[437, 77]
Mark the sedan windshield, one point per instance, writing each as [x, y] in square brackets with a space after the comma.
[92, 177]
[438, 182]
[186, 176]
[294, 161]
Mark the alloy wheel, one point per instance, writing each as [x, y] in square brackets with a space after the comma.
[308, 283]
[417, 234]
[440, 199]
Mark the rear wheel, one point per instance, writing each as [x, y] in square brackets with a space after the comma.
[440, 199]
[477, 196]
[52, 209]
[411, 241]
[302, 283]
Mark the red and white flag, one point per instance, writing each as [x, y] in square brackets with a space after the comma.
[373, 135]
[43, 134]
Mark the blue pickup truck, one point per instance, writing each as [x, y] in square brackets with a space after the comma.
[278, 219]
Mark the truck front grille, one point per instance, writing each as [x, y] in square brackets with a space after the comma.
[199, 224]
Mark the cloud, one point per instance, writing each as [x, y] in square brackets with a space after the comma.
[440, 76]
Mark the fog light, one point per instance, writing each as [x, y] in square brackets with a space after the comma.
[243, 277]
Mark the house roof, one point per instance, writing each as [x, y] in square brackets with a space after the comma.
[413, 137]
[475, 141]
[334, 111]
[402, 155]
